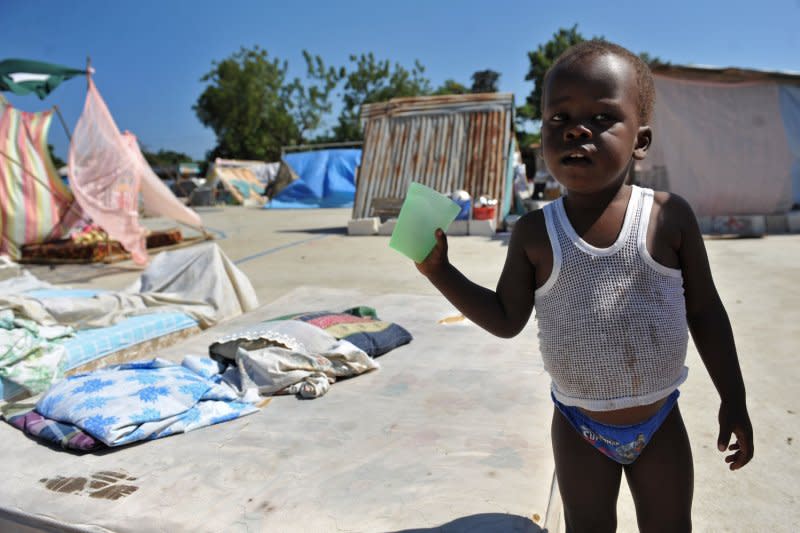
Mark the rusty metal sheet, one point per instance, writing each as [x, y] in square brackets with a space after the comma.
[445, 142]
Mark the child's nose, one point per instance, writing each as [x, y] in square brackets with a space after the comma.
[577, 131]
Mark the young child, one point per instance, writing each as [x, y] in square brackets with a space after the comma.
[619, 276]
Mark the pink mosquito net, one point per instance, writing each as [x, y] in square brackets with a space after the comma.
[107, 172]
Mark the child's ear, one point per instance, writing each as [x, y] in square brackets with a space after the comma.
[643, 140]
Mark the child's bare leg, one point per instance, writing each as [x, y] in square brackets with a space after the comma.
[588, 480]
[662, 479]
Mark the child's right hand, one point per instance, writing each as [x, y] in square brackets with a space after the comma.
[437, 258]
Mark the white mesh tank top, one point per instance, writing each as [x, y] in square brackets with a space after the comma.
[612, 321]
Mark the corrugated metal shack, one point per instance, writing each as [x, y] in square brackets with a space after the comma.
[445, 142]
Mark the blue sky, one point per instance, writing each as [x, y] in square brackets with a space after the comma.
[149, 56]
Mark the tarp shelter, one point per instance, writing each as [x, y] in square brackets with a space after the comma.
[326, 179]
[727, 140]
[244, 180]
[455, 142]
[108, 172]
[36, 204]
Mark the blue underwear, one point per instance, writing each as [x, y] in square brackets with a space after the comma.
[621, 443]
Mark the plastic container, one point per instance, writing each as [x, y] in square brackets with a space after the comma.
[464, 201]
[486, 212]
[423, 211]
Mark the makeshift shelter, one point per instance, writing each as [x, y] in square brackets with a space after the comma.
[326, 178]
[449, 143]
[726, 139]
[243, 180]
[37, 206]
[108, 172]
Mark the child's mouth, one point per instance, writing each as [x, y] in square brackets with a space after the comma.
[576, 159]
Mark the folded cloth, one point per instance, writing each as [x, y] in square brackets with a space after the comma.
[360, 326]
[288, 357]
[143, 400]
[68, 436]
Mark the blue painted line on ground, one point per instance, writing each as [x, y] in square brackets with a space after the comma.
[222, 234]
[277, 249]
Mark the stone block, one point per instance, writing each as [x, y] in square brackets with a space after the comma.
[776, 224]
[458, 227]
[485, 228]
[743, 225]
[793, 221]
[386, 228]
[363, 226]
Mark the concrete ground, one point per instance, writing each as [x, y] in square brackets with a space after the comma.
[757, 279]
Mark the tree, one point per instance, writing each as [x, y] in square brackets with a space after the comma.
[307, 105]
[57, 161]
[375, 81]
[543, 58]
[485, 81]
[247, 104]
[165, 158]
[451, 87]
[540, 60]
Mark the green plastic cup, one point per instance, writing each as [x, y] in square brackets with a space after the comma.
[422, 212]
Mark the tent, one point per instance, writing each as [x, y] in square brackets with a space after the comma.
[108, 176]
[37, 205]
[326, 179]
[244, 180]
[727, 140]
[108, 172]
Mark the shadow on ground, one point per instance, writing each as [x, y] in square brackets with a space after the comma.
[79, 273]
[483, 523]
[317, 231]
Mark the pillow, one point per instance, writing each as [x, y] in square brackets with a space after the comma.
[360, 326]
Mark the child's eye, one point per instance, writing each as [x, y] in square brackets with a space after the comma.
[603, 117]
[558, 117]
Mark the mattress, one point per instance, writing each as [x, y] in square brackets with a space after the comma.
[449, 429]
[91, 345]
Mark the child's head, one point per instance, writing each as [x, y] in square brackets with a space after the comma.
[597, 100]
[598, 47]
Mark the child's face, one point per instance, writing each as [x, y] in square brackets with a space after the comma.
[590, 123]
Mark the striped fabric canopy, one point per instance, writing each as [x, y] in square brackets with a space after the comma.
[35, 202]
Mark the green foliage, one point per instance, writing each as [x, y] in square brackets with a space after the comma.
[540, 60]
[451, 87]
[485, 81]
[308, 105]
[652, 61]
[372, 81]
[248, 104]
[254, 110]
[166, 158]
[57, 161]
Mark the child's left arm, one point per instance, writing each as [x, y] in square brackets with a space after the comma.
[713, 336]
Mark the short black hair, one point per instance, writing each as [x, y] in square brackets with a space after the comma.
[598, 47]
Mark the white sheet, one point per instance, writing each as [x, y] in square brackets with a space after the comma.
[199, 280]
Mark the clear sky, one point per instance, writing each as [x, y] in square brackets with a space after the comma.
[149, 55]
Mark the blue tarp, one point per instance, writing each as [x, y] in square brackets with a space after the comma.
[327, 179]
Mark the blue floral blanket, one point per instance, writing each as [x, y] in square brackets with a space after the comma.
[144, 400]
